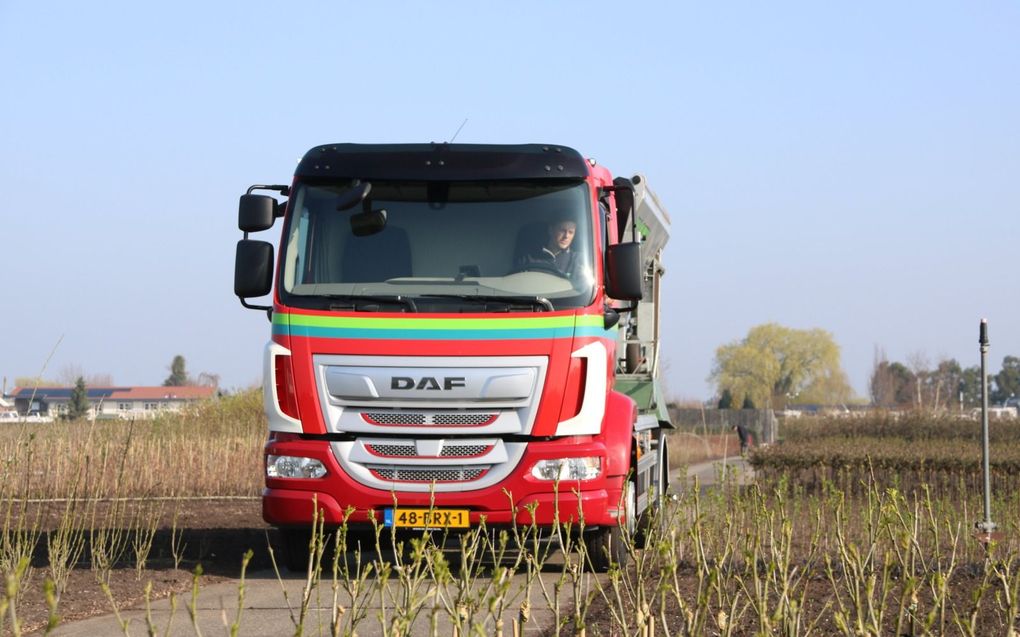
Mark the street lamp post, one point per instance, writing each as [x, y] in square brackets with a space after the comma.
[986, 526]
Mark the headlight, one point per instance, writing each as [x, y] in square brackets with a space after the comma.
[293, 467]
[567, 469]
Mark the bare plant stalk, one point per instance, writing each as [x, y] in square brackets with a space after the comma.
[354, 582]
[192, 606]
[13, 580]
[144, 535]
[121, 622]
[176, 538]
[150, 626]
[241, 586]
[316, 547]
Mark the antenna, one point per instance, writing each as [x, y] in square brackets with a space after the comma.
[458, 130]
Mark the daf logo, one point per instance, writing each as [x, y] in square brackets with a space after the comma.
[427, 382]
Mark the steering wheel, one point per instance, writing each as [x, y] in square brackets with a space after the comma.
[541, 266]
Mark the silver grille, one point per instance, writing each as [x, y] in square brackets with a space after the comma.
[406, 418]
[428, 474]
[403, 451]
[395, 418]
[463, 451]
[463, 420]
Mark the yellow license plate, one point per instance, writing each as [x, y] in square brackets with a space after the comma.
[428, 518]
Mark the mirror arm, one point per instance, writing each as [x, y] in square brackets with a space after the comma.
[623, 309]
[283, 190]
[267, 308]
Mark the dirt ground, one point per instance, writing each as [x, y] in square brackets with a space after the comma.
[214, 533]
[818, 611]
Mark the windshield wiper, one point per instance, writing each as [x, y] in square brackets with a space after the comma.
[485, 298]
[353, 300]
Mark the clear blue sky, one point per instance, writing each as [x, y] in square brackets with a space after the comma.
[849, 166]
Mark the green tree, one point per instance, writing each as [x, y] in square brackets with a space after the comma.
[178, 374]
[774, 362]
[726, 400]
[970, 385]
[78, 407]
[892, 385]
[1007, 381]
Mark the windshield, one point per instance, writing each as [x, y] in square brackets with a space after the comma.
[440, 247]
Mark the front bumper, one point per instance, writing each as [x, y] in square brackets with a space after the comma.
[519, 499]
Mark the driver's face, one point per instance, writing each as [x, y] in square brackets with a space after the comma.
[561, 234]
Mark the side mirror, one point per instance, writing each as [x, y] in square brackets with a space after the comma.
[253, 268]
[623, 272]
[256, 212]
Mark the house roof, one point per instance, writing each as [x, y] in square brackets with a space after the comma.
[163, 393]
[115, 393]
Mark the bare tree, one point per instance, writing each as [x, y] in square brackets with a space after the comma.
[100, 379]
[946, 381]
[881, 386]
[892, 385]
[208, 379]
[70, 373]
[918, 363]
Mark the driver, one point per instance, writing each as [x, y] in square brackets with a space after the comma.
[556, 251]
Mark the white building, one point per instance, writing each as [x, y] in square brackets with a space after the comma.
[107, 402]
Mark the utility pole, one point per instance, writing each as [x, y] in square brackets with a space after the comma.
[986, 527]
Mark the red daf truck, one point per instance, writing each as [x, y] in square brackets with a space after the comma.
[459, 331]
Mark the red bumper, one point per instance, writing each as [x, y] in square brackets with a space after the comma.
[288, 502]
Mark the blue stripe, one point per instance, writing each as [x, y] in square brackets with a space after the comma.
[596, 332]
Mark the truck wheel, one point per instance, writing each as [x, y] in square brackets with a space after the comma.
[295, 549]
[607, 545]
[653, 519]
[633, 357]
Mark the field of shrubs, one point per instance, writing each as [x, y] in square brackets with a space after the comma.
[853, 527]
[907, 452]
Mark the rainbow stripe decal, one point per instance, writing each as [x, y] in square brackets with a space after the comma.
[439, 329]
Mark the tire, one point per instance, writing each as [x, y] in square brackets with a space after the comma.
[633, 357]
[607, 545]
[653, 520]
[295, 549]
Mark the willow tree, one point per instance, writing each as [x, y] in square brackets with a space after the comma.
[774, 364]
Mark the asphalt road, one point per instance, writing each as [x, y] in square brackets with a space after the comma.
[708, 474]
[271, 605]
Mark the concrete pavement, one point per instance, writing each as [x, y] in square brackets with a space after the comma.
[272, 606]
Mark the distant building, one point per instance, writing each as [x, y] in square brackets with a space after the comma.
[107, 402]
[996, 413]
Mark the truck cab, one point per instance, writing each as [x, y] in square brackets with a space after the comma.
[446, 334]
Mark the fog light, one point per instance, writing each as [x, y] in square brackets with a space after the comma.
[293, 467]
[567, 469]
